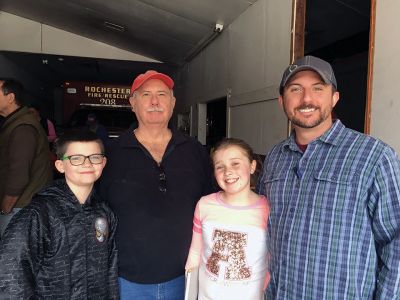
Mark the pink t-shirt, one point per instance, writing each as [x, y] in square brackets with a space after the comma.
[229, 245]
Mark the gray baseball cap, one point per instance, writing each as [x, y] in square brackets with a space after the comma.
[323, 68]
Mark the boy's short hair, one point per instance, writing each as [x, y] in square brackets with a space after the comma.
[61, 144]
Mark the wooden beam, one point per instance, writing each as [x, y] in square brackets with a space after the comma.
[371, 51]
[297, 36]
[298, 27]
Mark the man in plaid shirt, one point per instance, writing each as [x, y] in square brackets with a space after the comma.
[334, 227]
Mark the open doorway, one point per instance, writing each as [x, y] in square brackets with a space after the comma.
[216, 122]
[338, 31]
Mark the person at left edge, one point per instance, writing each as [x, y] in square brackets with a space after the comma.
[61, 245]
[153, 180]
[25, 166]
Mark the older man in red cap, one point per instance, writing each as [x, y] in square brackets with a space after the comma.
[153, 180]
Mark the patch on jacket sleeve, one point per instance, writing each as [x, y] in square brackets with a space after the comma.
[102, 230]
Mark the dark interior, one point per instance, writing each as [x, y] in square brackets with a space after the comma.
[341, 36]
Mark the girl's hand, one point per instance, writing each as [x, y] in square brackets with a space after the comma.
[188, 271]
[262, 295]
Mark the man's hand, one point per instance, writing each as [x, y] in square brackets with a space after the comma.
[7, 204]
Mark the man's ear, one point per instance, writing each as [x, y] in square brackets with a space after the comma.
[59, 166]
[10, 97]
[132, 102]
[173, 102]
[280, 99]
[335, 98]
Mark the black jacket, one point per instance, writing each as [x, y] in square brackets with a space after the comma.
[154, 204]
[56, 248]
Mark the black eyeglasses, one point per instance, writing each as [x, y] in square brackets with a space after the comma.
[79, 159]
[162, 180]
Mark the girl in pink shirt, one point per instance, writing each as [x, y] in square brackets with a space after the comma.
[229, 230]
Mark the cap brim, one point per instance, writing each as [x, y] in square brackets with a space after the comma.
[305, 68]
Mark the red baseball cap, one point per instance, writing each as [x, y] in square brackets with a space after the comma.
[151, 74]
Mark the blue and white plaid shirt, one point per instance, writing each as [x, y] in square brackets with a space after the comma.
[334, 227]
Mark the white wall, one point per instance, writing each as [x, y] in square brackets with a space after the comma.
[266, 121]
[385, 105]
[23, 35]
[246, 61]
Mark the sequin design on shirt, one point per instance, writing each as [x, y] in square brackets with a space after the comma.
[228, 255]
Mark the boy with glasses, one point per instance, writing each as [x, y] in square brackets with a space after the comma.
[61, 246]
